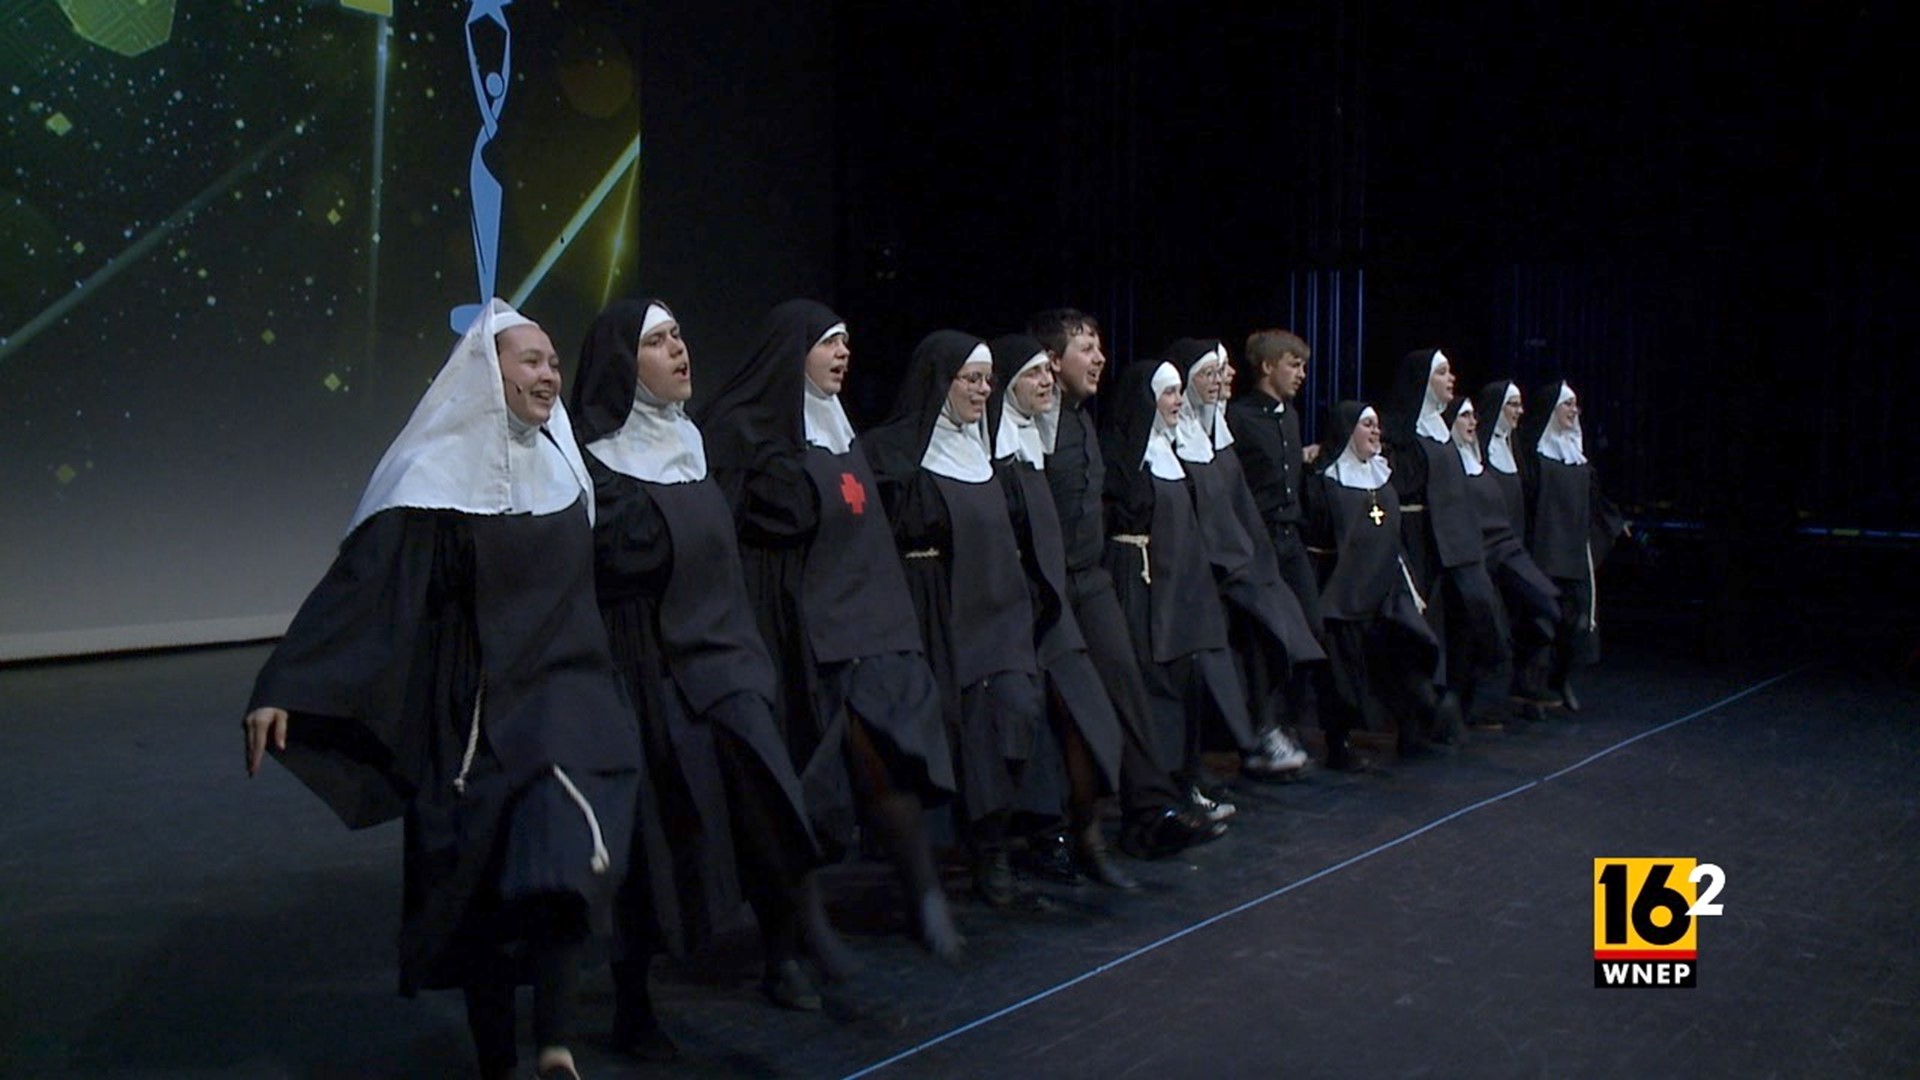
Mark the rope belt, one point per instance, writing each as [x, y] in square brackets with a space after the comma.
[1593, 593]
[601, 859]
[1413, 508]
[473, 738]
[1418, 602]
[1139, 540]
[923, 553]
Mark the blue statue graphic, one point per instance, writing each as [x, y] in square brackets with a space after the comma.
[490, 89]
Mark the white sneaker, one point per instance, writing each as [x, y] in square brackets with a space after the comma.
[1209, 809]
[1277, 754]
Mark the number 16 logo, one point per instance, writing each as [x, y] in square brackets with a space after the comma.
[1644, 912]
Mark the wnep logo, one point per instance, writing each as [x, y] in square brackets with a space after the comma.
[1645, 920]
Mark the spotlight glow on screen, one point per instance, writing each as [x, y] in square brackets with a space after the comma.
[234, 237]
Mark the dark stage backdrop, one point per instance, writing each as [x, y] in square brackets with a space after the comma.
[233, 236]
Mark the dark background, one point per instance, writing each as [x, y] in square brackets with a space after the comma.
[1696, 212]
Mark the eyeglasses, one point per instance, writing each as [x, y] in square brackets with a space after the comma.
[977, 378]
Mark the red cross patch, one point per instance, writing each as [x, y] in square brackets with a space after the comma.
[854, 493]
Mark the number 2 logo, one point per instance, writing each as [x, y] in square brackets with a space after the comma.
[1640, 906]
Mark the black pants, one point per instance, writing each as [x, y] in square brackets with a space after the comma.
[1296, 569]
[1479, 660]
[1144, 787]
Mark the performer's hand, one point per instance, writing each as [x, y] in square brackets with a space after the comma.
[262, 725]
[1310, 454]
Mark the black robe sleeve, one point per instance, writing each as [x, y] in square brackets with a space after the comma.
[1319, 535]
[632, 553]
[773, 500]
[357, 669]
[1607, 522]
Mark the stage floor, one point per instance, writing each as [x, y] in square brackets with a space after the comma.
[161, 915]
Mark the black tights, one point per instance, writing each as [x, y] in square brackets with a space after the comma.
[552, 928]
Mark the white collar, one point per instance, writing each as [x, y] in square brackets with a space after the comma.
[956, 451]
[1202, 430]
[1500, 443]
[1160, 457]
[463, 450]
[657, 444]
[826, 420]
[1563, 443]
[1431, 423]
[1022, 436]
[1469, 448]
[1349, 471]
[1191, 440]
[1366, 475]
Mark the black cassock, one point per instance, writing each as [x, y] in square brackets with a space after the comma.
[1059, 645]
[1446, 554]
[452, 668]
[1531, 600]
[834, 611]
[1381, 649]
[684, 637]
[1248, 571]
[1574, 527]
[1173, 612]
[963, 571]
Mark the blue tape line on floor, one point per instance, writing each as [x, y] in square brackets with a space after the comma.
[1311, 878]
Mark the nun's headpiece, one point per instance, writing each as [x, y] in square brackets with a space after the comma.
[616, 418]
[764, 404]
[463, 450]
[1014, 433]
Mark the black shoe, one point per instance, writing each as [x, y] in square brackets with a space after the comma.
[993, 878]
[1415, 749]
[638, 1035]
[1090, 850]
[788, 986]
[1344, 758]
[1167, 831]
[1049, 857]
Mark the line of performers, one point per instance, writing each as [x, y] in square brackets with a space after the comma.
[621, 673]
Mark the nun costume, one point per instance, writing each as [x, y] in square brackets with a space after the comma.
[1531, 600]
[1157, 557]
[686, 641]
[1078, 752]
[1573, 529]
[1381, 649]
[1158, 823]
[1272, 639]
[859, 708]
[452, 669]
[1441, 531]
[963, 569]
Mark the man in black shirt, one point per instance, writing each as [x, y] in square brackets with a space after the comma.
[1266, 427]
[1265, 421]
[1157, 824]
